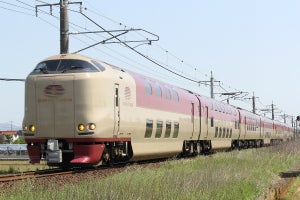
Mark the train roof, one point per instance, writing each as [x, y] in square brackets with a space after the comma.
[68, 56]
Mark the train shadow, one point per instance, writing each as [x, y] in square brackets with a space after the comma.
[290, 174]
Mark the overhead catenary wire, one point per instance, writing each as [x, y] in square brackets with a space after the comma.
[12, 79]
[168, 66]
[138, 52]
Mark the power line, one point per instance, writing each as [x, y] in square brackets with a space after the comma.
[11, 79]
[17, 11]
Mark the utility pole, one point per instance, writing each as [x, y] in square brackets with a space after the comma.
[253, 104]
[64, 22]
[211, 83]
[64, 27]
[272, 108]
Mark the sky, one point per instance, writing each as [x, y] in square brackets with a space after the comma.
[251, 46]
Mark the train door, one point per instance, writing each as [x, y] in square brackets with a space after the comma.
[193, 118]
[245, 127]
[206, 121]
[116, 111]
[261, 129]
[240, 125]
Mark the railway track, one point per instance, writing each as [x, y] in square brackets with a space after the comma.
[101, 170]
[37, 174]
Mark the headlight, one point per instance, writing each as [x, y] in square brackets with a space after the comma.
[32, 128]
[91, 126]
[80, 127]
[25, 127]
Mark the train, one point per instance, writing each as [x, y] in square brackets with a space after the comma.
[81, 111]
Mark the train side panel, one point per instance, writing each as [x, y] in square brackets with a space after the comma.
[219, 123]
[165, 117]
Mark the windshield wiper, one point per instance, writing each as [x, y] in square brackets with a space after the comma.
[43, 69]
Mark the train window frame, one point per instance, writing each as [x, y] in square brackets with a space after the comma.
[168, 129]
[56, 66]
[175, 95]
[227, 133]
[224, 133]
[211, 122]
[159, 127]
[216, 131]
[176, 130]
[167, 93]
[149, 128]
[158, 91]
[98, 65]
[148, 87]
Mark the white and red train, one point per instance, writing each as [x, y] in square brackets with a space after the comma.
[81, 111]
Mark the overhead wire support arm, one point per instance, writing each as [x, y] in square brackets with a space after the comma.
[54, 4]
[146, 41]
[232, 95]
[102, 42]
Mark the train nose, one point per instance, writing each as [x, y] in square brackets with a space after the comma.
[55, 106]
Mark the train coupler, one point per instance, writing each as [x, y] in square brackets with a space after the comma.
[54, 154]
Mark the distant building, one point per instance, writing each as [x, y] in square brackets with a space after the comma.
[14, 134]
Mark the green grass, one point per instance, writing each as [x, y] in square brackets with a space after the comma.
[234, 175]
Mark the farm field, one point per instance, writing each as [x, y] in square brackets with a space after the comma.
[238, 175]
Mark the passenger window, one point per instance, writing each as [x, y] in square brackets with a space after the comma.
[148, 87]
[167, 92]
[168, 129]
[175, 95]
[227, 134]
[176, 129]
[158, 90]
[149, 128]
[159, 127]
[220, 132]
[216, 132]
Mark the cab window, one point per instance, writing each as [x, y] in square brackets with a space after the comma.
[64, 66]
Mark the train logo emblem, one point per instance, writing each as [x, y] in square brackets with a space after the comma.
[54, 90]
[127, 93]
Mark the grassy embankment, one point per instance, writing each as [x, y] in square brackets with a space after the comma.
[234, 175]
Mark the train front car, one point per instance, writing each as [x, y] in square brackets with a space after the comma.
[70, 113]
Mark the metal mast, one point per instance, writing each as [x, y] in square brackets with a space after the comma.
[253, 104]
[64, 27]
[212, 85]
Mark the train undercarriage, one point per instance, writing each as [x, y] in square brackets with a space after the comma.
[65, 154]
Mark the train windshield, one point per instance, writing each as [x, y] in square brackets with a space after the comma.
[65, 66]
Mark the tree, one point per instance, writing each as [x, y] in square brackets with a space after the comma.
[20, 140]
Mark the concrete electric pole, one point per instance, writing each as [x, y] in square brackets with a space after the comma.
[64, 27]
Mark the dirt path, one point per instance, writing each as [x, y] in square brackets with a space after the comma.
[282, 185]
